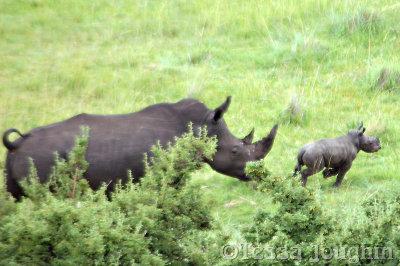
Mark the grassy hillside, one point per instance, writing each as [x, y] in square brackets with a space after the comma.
[317, 69]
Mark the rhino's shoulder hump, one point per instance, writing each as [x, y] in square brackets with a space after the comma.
[188, 100]
[190, 104]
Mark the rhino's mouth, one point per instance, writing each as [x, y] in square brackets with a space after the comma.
[245, 178]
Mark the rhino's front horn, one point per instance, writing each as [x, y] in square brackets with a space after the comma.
[249, 138]
[265, 145]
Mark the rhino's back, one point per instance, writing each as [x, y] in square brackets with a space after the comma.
[116, 142]
[333, 151]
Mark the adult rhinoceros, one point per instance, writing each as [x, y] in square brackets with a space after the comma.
[118, 142]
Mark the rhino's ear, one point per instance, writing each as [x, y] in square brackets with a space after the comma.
[220, 110]
[360, 126]
[361, 132]
[249, 138]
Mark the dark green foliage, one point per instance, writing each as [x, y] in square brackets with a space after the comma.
[71, 225]
[380, 227]
[160, 220]
[69, 232]
[66, 179]
[7, 205]
[298, 223]
[170, 210]
[301, 223]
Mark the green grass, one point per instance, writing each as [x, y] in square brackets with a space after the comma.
[60, 58]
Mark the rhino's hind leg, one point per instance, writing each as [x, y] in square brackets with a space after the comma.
[297, 168]
[304, 174]
[328, 172]
[312, 169]
[14, 188]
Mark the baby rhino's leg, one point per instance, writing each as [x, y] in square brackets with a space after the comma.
[328, 172]
[297, 168]
[342, 171]
[304, 174]
[313, 168]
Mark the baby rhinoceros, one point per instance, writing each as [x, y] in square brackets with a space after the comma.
[334, 154]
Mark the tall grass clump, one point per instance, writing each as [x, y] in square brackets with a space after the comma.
[388, 80]
[160, 220]
[358, 22]
[364, 21]
[294, 113]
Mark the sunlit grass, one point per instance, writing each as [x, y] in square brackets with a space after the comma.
[60, 58]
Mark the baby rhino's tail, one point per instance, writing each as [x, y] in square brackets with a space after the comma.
[299, 164]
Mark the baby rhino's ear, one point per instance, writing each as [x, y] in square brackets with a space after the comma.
[360, 125]
[361, 132]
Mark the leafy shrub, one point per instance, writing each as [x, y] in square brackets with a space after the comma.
[66, 179]
[170, 210]
[71, 232]
[160, 220]
[7, 205]
[71, 224]
[302, 224]
[377, 231]
[298, 224]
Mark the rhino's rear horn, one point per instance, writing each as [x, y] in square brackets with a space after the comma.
[249, 138]
[220, 110]
[265, 145]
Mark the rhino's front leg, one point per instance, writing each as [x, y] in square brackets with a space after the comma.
[342, 171]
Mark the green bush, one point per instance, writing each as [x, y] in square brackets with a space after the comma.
[70, 232]
[301, 226]
[66, 179]
[377, 227]
[298, 224]
[7, 205]
[170, 210]
[160, 220]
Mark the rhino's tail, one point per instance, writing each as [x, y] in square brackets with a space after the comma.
[11, 146]
[299, 164]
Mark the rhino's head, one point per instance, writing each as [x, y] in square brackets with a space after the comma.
[233, 153]
[366, 143]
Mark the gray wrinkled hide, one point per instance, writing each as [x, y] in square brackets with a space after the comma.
[334, 154]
